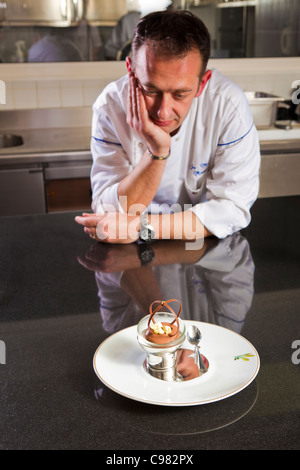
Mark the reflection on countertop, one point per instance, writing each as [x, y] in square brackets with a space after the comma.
[214, 284]
[57, 289]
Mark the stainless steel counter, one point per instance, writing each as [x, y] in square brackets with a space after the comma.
[48, 135]
[48, 131]
[48, 145]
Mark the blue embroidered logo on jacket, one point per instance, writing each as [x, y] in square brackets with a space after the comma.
[198, 169]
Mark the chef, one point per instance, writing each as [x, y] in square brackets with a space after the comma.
[175, 151]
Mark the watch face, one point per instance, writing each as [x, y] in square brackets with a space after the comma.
[146, 257]
[146, 254]
[145, 234]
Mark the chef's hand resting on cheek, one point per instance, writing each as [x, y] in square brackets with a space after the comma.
[156, 139]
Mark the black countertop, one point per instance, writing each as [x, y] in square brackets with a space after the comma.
[61, 295]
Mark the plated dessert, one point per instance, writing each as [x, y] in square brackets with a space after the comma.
[163, 332]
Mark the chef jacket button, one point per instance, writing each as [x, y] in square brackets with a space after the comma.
[141, 144]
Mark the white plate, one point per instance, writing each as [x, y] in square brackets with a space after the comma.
[118, 362]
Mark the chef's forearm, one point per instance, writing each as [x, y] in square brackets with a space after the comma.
[178, 226]
[141, 184]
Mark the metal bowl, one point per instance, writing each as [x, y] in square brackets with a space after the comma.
[263, 107]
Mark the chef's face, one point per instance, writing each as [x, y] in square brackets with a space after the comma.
[169, 85]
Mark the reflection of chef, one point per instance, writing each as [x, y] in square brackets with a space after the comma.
[54, 49]
[186, 365]
[214, 284]
[67, 45]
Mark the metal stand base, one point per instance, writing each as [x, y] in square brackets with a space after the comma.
[185, 368]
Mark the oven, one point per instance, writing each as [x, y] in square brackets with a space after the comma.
[67, 185]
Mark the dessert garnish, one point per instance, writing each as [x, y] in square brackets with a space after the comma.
[162, 332]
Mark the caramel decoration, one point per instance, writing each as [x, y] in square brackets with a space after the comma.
[165, 337]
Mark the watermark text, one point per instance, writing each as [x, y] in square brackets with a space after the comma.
[2, 352]
[2, 92]
[118, 225]
[296, 353]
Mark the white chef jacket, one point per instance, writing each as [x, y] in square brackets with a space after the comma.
[213, 168]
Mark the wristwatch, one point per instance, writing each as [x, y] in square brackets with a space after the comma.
[146, 253]
[146, 230]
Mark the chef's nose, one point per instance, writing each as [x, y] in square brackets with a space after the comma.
[164, 107]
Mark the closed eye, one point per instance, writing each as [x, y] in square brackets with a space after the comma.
[176, 95]
[181, 96]
[150, 92]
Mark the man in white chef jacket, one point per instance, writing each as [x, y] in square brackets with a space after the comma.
[175, 151]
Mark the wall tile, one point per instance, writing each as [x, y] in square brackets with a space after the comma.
[49, 98]
[246, 82]
[264, 83]
[71, 93]
[44, 86]
[92, 88]
[90, 95]
[24, 95]
[48, 94]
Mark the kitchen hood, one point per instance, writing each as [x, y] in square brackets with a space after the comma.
[105, 13]
[40, 12]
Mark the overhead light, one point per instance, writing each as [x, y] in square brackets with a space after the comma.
[237, 3]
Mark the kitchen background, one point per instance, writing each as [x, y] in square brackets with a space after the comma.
[57, 55]
[239, 29]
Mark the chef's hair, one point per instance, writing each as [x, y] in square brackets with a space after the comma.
[172, 33]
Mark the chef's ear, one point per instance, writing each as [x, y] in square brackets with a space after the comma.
[203, 82]
[128, 64]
